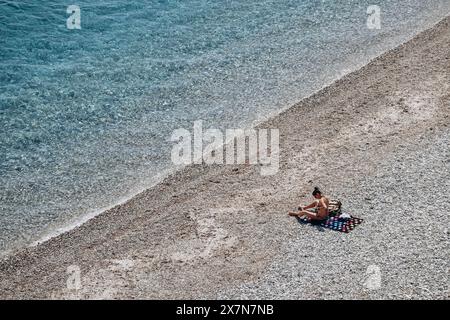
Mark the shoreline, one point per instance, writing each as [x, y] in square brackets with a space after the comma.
[167, 227]
[96, 212]
[75, 223]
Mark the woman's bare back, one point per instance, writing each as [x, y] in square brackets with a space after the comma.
[322, 207]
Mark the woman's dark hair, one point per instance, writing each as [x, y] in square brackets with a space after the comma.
[316, 191]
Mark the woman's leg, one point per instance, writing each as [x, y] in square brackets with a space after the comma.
[294, 214]
[308, 214]
[303, 213]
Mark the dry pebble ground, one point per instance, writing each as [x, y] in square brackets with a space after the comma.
[401, 250]
[377, 139]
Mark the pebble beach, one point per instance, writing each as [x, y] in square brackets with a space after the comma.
[376, 139]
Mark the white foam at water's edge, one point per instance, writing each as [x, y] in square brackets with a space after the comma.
[92, 214]
[160, 177]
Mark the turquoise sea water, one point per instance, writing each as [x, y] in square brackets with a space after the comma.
[86, 115]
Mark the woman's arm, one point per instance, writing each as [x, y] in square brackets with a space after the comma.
[312, 205]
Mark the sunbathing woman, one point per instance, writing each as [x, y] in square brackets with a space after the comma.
[320, 206]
